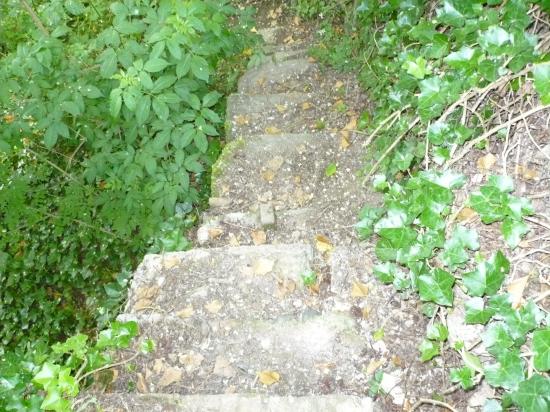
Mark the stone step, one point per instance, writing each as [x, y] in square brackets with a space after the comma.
[281, 77]
[224, 283]
[230, 403]
[321, 353]
[290, 172]
[292, 112]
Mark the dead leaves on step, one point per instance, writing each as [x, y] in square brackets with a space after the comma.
[323, 244]
[268, 377]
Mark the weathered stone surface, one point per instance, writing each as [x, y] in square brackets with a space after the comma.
[231, 403]
[312, 353]
[267, 215]
[246, 281]
[279, 77]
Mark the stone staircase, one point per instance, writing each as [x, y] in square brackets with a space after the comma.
[236, 327]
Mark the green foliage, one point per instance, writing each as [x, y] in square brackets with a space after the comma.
[50, 378]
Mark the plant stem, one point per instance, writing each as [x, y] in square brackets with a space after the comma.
[35, 18]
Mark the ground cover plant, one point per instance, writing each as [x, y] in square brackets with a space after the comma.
[111, 116]
[449, 79]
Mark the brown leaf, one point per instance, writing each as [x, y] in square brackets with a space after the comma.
[466, 214]
[344, 140]
[526, 173]
[141, 385]
[275, 163]
[306, 105]
[258, 237]
[170, 376]
[323, 244]
[214, 232]
[158, 366]
[268, 175]
[285, 287]
[214, 306]
[486, 162]
[515, 289]
[186, 312]
[147, 292]
[223, 368]
[191, 361]
[170, 261]
[269, 377]
[352, 124]
[272, 130]
[359, 290]
[143, 304]
[262, 266]
[338, 85]
[241, 120]
[374, 365]
[288, 40]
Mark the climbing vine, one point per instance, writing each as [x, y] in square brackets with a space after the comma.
[430, 68]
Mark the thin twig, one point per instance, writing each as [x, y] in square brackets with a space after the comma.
[392, 117]
[35, 18]
[492, 131]
[389, 150]
[114, 365]
[423, 401]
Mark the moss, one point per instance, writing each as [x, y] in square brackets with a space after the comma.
[223, 161]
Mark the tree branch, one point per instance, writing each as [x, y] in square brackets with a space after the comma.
[35, 18]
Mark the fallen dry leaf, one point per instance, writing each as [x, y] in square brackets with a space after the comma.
[147, 292]
[191, 361]
[281, 108]
[306, 105]
[338, 85]
[170, 376]
[143, 304]
[214, 306]
[397, 361]
[170, 261]
[214, 232]
[141, 385]
[365, 312]
[526, 173]
[289, 39]
[223, 368]
[241, 120]
[322, 243]
[359, 290]
[344, 140]
[311, 59]
[268, 175]
[158, 365]
[515, 289]
[352, 124]
[269, 377]
[272, 130]
[275, 163]
[258, 237]
[374, 365]
[486, 162]
[262, 266]
[186, 312]
[465, 214]
[233, 241]
[285, 287]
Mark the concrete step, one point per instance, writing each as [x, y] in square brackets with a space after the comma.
[292, 112]
[231, 403]
[280, 77]
[223, 283]
[290, 172]
[320, 353]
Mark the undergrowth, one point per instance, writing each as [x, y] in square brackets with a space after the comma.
[429, 67]
[111, 116]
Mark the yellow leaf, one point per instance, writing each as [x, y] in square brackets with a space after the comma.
[269, 377]
[186, 312]
[359, 290]
[486, 162]
[281, 108]
[526, 173]
[214, 306]
[465, 214]
[515, 289]
[258, 237]
[272, 130]
[170, 261]
[374, 365]
[263, 266]
[214, 232]
[322, 243]
[285, 287]
[306, 105]
[344, 140]
[338, 84]
[170, 376]
[247, 52]
[352, 124]
[268, 175]
[241, 120]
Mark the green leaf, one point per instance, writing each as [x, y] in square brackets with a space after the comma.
[46, 375]
[91, 92]
[437, 331]
[432, 97]
[67, 383]
[541, 348]
[201, 141]
[76, 345]
[115, 102]
[147, 346]
[492, 405]
[210, 99]
[507, 373]
[533, 394]
[428, 350]
[143, 108]
[160, 108]
[464, 376]
[437, 287]
[462, 59]
[513, 230]
[488, 276]
[331, 169]
[108, 63]
[385, 272]
[183, 66]
[54, 401]
[417, 67]
[493, 39]
[199, 68]
[541, 74]
[155, 65]
[496, 338]
[476, 312]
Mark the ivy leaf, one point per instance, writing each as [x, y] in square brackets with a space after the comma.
[533, 394]
[507, 373]
[437, 287]
[417, 67]
[476, 312]
[494, 39]
[438, 332]
[155, 65]
[492, 405]
[462, 59]
[385, 272]
[513, 230]
[454, 254]
[47, 375]
[464, 376]
[541, 74]
[488, 276]
[496, 338]
[368, 215]
[428, 350]
[541, 348]
[432, 97]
